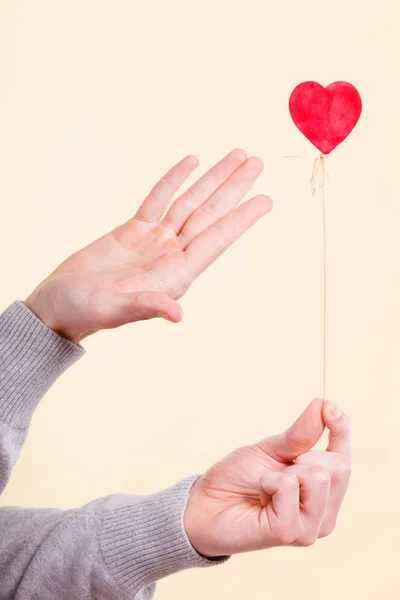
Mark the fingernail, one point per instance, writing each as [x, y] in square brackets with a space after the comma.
[333, 411]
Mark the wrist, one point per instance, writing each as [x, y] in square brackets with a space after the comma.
[42, 307]
[194, 524]
[190, 516]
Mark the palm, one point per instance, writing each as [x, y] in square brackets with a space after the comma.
[132, 258]
[235, 484]
[140, 269]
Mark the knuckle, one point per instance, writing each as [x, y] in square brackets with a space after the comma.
[342, 475]
[241, 188]
[347, 424]
[214, 175]
[167, 181]
[341, 461]
[293, 442]
[187, 202]
[208, 209]
[341, 467]
[286, 536]
[343, 464]
[216, 236]
[306, 540]
[320, 475]
[346, 472]
[343, 427]
[326, 530]
[210, 235]
[144, 299]
[183, 241]
[290, 481]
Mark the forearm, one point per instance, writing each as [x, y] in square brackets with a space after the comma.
[32, 357]
[116, 547]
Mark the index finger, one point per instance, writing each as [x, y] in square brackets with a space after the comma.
[339, 426]
[153, 207]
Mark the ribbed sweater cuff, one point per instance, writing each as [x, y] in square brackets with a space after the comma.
[145, 540]
[32, 357]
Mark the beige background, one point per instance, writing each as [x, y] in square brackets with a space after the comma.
[97, 100]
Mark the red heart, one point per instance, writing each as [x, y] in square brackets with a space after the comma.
[326, 116]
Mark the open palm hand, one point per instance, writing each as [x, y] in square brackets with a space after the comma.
[140, 269]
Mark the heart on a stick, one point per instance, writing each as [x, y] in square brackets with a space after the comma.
[325, 116]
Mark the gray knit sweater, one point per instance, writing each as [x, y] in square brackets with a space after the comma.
[114, 547]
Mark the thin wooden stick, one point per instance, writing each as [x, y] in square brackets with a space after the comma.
[324, 272]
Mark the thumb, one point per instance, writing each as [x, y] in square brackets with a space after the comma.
[118, 309]
[299, 437]
[149, 305]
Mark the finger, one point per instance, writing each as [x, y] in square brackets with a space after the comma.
[280, 495]
[337, 464]
[115, 309]
[315, 484]
[339, 467]
[225, 199]
[154, 206]
[300, 437]
[209, 245]
[198, 193]
[339, 426]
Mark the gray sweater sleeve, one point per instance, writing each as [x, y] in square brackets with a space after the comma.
[116, 547]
